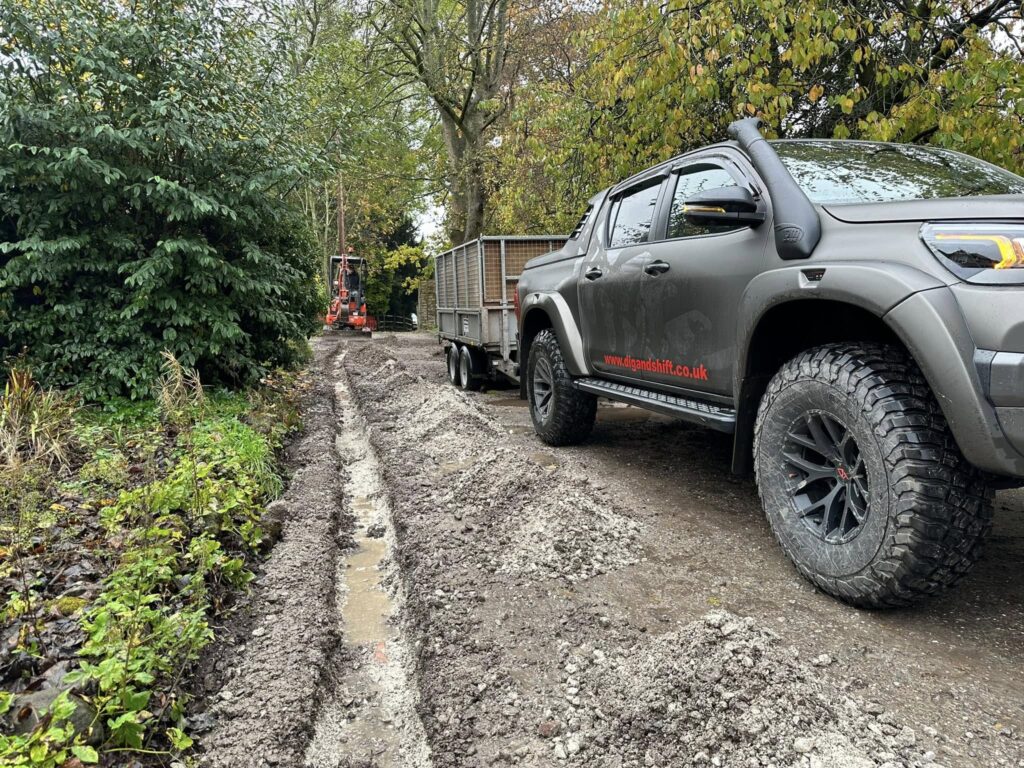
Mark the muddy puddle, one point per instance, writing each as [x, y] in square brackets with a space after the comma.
[370, 716]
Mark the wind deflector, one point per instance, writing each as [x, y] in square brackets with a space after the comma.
[797, 228]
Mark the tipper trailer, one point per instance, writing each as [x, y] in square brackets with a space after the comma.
[476, 289]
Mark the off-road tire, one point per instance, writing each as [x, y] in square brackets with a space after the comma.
[470, 377]
[928, 510]
[452, 363]
[568, 417]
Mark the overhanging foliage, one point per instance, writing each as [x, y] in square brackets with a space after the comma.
[145, 152]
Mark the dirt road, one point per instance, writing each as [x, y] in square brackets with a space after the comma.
[621, 603]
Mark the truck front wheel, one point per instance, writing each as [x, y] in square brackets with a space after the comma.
[861, 479]
[562, 415]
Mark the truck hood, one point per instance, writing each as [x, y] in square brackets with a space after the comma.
[941, 209]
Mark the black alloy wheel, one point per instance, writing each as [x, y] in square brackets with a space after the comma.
[561, 414]
[543, 390]
[830, 488]
[861, 478]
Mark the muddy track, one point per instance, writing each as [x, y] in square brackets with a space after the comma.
[272, 668]
[529, 648]
[369, 716]
[489, 601]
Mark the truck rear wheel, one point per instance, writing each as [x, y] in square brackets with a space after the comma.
[470, 375]
[562, 415]
[452, 360]
[861, 479]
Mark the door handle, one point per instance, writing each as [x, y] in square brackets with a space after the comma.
[657, 268]
[593, 273]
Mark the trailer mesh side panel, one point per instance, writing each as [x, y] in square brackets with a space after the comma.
[441, 280]
[463, 277]
[518, 252]
[492, 272]
[459, 282]
[449, 280]
[472, 273]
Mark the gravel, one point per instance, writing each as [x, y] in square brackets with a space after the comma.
[720, 691]
[516, 666]
[506, 565]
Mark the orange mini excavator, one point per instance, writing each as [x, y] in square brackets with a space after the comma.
[348, 301]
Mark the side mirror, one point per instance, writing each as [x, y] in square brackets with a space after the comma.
[726, 205]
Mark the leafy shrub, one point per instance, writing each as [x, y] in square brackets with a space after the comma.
[145, 154]
[107, 469]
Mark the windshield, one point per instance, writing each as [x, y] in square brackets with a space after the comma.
[873, 172]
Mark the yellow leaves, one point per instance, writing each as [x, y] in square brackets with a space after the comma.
[751, 109]
[816, 92]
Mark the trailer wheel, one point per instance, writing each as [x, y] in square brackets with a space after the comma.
[453, 364]
[470, 375]
[562, 415]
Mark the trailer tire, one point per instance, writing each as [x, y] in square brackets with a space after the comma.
[452, 361]
[561, 414]
[470, 375]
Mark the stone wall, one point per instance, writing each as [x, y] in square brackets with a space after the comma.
[426, 305]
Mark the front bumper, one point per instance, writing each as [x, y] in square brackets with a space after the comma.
[1002, 378]
[995, 317]
[979, 390]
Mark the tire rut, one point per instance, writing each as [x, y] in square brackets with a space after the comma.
[369, 717]
[273, 672]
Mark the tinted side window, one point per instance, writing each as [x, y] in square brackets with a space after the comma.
[633, 213]
[689, 182]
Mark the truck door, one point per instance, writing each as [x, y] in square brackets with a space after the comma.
[692, 283]
[609, 287]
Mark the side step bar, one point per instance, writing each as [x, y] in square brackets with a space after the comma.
[706, 414]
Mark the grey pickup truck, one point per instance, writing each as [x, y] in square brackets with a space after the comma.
[852, 312]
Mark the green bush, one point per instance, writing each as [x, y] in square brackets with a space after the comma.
[145, 156]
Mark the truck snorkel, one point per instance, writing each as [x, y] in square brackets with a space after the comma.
[797, 228]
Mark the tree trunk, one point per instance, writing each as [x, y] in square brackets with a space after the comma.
[475, 197]
[468, 196]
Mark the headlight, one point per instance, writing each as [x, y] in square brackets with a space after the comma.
[989, 254]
